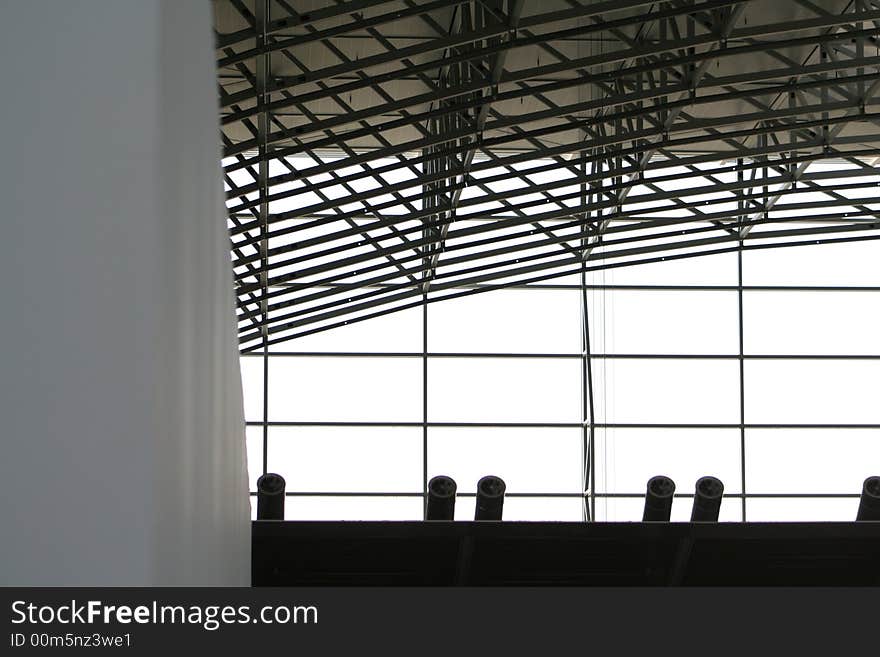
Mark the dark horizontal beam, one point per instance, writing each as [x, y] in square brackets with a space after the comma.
[571, 425]
[562, 356]
[584, 494]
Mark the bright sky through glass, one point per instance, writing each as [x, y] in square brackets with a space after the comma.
[504, 391]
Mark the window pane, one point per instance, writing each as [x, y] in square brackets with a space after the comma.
[811, 322]
[507, 321]
[627, 458]
[810, 460]
[801, 509]
[254, 440]
[347, 459]
[352, 508]
[528, 460]
[718, 269]
[396, 332]
[851, 263]
[812, 392]
[569, 509]
[504, 390]
[666, 391]
[345, 389]
[252, 387]
[664, 322]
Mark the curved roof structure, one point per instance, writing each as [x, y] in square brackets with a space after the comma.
[385, 154]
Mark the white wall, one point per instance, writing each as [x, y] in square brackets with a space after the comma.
[121, 434]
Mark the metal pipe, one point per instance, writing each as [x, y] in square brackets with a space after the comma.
[490, 498]
[441, 498]
[658, 499]
[270, 497]
[707, 500]
[869, 503]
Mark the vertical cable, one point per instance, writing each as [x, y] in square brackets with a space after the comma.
[591, 425]
[588, 424]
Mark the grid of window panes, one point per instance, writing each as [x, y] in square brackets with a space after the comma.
[760, 367]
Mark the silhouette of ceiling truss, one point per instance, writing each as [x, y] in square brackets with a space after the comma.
[379, 155]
